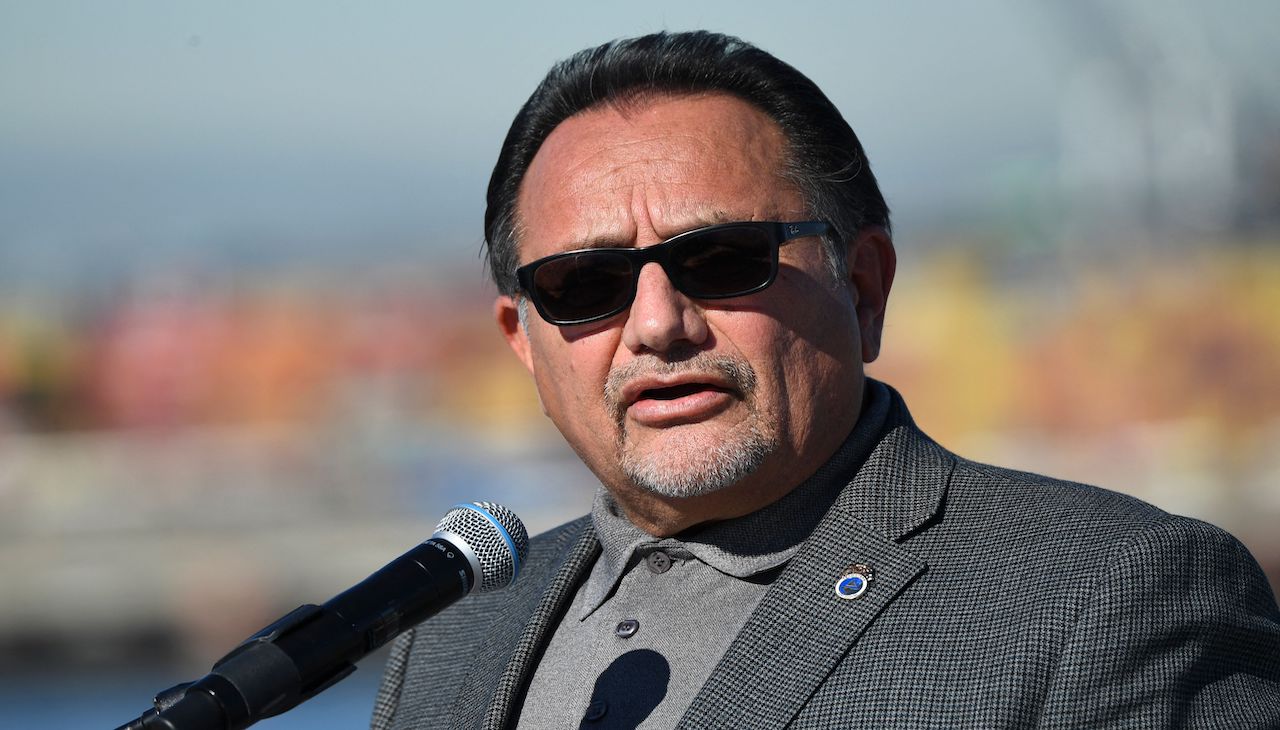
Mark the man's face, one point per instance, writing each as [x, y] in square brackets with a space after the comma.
[680, 398]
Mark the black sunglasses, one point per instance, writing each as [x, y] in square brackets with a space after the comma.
[716, 262]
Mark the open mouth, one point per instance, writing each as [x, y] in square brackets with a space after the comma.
[679, 391]
[662, 406]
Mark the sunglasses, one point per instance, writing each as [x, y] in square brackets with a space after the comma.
[716, 262]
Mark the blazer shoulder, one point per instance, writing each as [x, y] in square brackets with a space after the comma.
[1064, 502]
[1178, 611]
[1091, 529]
[1070, 527]
[1129, 615]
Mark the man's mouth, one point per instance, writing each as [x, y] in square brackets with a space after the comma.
[658, 394]
[675, 392]
[661, 406]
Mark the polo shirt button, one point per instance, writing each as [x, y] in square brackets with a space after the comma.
[627, 629]
[658, 562]
[596, 711]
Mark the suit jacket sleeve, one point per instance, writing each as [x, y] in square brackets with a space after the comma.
[1180, 630]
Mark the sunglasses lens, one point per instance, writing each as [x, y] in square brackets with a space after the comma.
[724, 262]
[714, 263]
[583, 286]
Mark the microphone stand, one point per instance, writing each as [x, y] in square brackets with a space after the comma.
[261, 677]
[312, 647]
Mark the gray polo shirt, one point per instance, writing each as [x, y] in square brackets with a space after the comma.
[647, 627]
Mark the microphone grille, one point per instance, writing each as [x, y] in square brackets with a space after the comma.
[497, 537]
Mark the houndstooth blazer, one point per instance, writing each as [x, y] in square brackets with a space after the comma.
[999, 599]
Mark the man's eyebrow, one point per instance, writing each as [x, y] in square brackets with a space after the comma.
[606, 241]
[701, 219]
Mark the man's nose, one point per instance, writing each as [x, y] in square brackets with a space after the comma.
[661, 316]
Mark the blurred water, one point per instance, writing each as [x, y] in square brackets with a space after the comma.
[108, 700]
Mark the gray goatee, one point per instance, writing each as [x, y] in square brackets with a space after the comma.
[698, 464]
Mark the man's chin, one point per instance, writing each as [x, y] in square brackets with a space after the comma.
[695, 462]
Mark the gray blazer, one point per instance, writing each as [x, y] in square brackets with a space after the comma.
[999, 599]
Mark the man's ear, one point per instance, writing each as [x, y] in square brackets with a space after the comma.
[872, 263]
[507, 311]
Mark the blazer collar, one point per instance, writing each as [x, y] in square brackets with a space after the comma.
[902, 483]
[538, 606]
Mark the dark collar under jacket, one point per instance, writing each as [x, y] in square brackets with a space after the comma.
[898, 488]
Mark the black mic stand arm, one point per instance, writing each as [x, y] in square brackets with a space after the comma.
[312, 647]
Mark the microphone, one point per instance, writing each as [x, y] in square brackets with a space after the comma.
[476, 548]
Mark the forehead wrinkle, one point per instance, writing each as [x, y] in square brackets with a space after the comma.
[612, 149]
[650, 196]
[658, 145]
[670, 166]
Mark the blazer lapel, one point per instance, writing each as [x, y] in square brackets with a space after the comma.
[801, 629]
[536, 609]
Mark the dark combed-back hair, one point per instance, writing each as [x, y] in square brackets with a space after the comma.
[825, 161]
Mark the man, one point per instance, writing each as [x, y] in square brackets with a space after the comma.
[708, 260]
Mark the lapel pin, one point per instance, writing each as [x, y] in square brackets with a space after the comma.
[854, 582]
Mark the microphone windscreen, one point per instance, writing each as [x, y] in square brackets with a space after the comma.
[494, 535]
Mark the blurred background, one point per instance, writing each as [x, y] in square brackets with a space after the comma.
[246, 351]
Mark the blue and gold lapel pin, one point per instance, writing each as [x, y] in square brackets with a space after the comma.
[854, 582]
